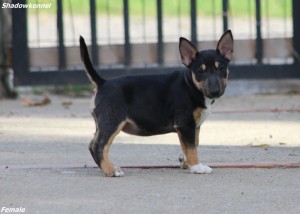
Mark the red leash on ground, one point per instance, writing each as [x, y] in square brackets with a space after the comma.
[228, 165]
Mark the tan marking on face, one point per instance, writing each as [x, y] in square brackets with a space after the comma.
[198, 85]
[203, 67]
[227, 73]
[222, 86]
[217, 64]
[226, 79]
[106, 166]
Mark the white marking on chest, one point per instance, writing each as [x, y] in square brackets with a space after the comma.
[200, 115]
[93, 103]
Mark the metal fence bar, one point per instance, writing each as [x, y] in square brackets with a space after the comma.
[60, 29]
[160, 45]
[194, 21]
[93, 18]
[296, 28]
[22, 68]
[20, 43]
[127, 48]
[259, 42]
[225, 15]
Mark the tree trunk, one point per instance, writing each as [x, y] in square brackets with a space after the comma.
[5, 54]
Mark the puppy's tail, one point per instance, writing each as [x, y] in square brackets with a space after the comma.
[91, 72]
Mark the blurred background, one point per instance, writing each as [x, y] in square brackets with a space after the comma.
[39, 46]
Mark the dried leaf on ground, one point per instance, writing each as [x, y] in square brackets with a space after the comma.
[263, 145]
[36, 101]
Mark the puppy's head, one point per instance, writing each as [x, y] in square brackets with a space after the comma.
[209, 67]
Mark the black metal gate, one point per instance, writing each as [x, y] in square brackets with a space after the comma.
[27, 74]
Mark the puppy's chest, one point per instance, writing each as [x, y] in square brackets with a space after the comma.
[200, 115]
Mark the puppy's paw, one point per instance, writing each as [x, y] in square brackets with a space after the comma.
[200, 169]
[111, 170]
[118, 172]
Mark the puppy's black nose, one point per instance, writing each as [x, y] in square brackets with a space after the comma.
[215, 93]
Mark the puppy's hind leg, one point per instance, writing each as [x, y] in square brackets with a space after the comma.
[94, 140]
[91, 148]
[101, 145]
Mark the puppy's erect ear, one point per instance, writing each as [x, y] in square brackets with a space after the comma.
[187, 51]
[225, 45]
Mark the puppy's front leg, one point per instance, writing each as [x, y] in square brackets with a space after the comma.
[189, 141]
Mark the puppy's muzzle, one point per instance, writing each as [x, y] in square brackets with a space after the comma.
[215, 89]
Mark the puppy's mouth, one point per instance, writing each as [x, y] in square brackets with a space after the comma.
[214, 94]
[213, 97]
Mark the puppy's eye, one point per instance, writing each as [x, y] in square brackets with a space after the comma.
[201, 71]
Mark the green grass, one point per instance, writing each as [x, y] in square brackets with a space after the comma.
[79, 90]
[276, 8]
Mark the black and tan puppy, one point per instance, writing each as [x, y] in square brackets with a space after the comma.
[157, 104]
